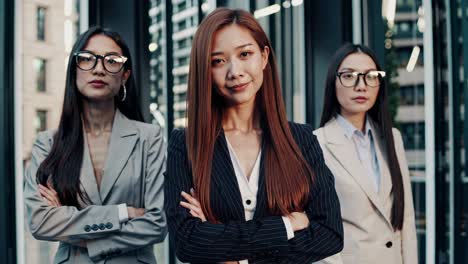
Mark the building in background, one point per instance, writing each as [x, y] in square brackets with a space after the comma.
[170, 56]
[49, 29]
[407, 42]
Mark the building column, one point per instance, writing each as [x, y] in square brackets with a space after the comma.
[130, 19]
[326, 29]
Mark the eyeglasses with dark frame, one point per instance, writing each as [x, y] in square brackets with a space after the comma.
[350, 79]
[112, 63]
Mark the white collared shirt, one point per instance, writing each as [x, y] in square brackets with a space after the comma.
[249, 187]
[365, 147]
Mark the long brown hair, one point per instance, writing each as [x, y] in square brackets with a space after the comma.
[287, 174]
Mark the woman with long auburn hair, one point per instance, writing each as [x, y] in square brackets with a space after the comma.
[244, 185]
[367, 158]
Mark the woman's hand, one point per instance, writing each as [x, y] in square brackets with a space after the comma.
[193, 205]
[49, 195]
[135, 212]
[299, 221]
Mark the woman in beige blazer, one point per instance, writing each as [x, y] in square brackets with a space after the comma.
[367, 157]
[96, 183]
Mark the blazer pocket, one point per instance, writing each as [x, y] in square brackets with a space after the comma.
[62, 255]
[146, 255]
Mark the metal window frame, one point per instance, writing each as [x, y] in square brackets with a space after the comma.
[440, 197]
[429, 110]
[454, 30]
[18, 126]
[357, 21]
[168, 77]
[8, 226]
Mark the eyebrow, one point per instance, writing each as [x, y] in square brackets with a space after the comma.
[107, 53]
[238, 47]
[351, 69]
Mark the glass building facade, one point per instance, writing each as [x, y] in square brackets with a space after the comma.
[420, 42]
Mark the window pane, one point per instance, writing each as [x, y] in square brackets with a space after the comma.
[41, 120]
[40, 15]
[40, 71]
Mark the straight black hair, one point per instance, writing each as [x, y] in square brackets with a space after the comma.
[62, 166]
[379, 113]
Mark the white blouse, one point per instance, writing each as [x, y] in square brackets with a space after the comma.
[364, 144]
[249, 187]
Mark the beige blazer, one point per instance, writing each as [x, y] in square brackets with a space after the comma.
[368, 234]
[133, 174]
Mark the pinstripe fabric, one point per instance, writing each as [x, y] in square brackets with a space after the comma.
[262, 239]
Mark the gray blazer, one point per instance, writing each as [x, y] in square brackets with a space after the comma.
[133, 174]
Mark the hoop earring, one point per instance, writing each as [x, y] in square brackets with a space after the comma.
[125, 93]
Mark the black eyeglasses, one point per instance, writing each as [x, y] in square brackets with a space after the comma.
[112, 63]
[371, 78]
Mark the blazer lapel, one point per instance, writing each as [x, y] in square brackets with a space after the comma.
[87, 177]
[224, 178]
[385, 176]
[344, 151]
[122, 142]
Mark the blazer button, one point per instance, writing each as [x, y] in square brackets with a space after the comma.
[87, 228]
[248, 201]
[109, 225]
[95, 227]
[102, 226]
[389, 244]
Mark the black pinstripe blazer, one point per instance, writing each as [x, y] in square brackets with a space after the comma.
[262, 239]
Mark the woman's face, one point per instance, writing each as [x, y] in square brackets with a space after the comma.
[237, 64]
[361, 97]
[98, 84]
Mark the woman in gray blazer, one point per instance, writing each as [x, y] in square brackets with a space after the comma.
[367, 158]
[95, 184]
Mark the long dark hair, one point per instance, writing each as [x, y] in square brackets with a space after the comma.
[288, 175]
[379, 113]
[62, 166]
